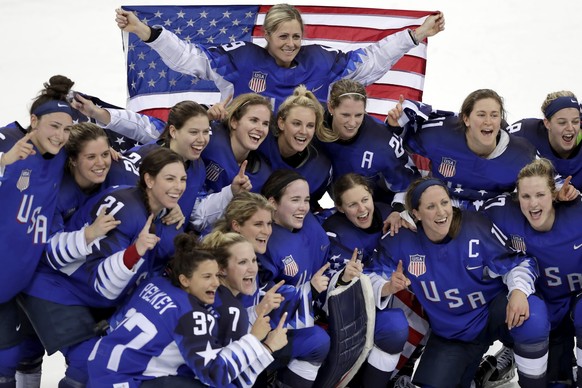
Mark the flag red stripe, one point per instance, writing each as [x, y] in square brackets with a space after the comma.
[388, 91]
[338, 33]
[411, 63]
[351, 11]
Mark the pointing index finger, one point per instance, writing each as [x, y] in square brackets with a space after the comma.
[276, 287]
[400, 268]
[243, 167]
[567, 180]
[322, 269]
[282, 321]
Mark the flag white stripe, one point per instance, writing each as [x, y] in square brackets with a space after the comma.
[381, 22]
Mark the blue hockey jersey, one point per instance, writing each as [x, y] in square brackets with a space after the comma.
[557, 251]
[456, 279]
[376, 153]
[28, 189]
[536, 133]
[244, 67]
[294, 256]
[164, 331]
[97, 277]
[222, 167]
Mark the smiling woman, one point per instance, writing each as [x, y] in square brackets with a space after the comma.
[546, 229]
[460, 146]
[284, 58]
[473, 287]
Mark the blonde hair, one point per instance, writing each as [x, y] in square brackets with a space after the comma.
[542, 168]
[278, 14]
[240, 209]
[220, 244]
[302, 97]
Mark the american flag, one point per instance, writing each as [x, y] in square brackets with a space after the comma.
[153, 87]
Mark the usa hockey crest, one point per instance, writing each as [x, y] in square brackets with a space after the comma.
[258, 82]
[518, 243]
[417, 265]
[291, 268]
[213, 171]
[447, 168]
[24, 180]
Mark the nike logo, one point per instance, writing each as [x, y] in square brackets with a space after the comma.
[18, 327]
[577, 246]
[62, 105]
[316, 89]
[574, 101]
[475, 267]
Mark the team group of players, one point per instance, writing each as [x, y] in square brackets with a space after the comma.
[97, 265]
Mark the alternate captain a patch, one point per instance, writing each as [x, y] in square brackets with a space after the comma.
[447, 168]
[258, 82]
[417, 265]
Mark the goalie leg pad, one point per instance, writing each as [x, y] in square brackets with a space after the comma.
[351, 327]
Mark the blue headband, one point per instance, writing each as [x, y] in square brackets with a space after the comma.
[53, 106]
[422, 186]
[559, 104]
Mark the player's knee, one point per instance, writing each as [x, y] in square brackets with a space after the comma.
[577, 316]
[316, 345]
[30, 365]
[9, 359]
[391, 331]
[536, 328]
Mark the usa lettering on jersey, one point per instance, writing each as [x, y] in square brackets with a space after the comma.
[475, 299]
[38, 222]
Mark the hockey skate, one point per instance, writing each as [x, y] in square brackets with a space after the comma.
[505, 368]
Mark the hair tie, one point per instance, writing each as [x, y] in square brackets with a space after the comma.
[559, 104]
[422, 186]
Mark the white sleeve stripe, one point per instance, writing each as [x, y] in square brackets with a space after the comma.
[113, 276]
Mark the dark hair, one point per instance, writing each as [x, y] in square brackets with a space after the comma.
[457, 215]
[153, 163]
[241, 104]
[346, 182]
[179, 114]
[471, 100]
[80, 134]
[346, 88]
[240, 209]
[55, 89]
[187, 257]
[275, 185]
